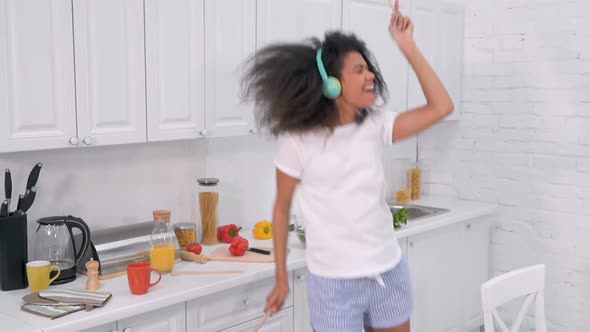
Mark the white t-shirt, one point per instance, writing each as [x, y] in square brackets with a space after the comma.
[348, 225]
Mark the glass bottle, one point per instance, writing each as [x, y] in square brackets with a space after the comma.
[162, 242]
[208, 206]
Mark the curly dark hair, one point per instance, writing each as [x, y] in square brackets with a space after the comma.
[285, 84]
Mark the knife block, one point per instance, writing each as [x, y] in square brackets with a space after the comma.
[13, 252]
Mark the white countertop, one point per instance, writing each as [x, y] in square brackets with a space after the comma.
[172, 290]
[460, 210]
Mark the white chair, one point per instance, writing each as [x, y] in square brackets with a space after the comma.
[528, 281]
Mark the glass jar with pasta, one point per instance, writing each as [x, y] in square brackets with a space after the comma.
[208, 209]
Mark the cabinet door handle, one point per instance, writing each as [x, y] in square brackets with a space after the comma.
[301, 277]
[245, 302]
[253, 131]
[203, 132]
[468, 226]
[73, 140]
[412, 244]
[88, 140]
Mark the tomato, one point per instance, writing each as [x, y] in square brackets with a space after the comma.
[195, 248]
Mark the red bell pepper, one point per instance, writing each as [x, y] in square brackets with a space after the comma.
[227, 233]
[238, 246]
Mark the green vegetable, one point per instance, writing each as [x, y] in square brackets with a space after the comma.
[400, 217]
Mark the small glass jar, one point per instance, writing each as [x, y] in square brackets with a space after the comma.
[208, 209]
[186, 233]
[163, 242]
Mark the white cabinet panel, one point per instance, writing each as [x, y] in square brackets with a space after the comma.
[439, 35]
[436, 265]
[281, 322]
[37, 95]
[175, 69]
[300, 304]
[232, 307]
[110, 327]
[287, 20]
[230, 37]
[169, 319]
[110, 71]
[369, 19]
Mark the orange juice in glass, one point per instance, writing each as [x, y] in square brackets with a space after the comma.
[162, 257]
[163, 242]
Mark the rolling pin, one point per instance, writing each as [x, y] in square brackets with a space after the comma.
[190, 256]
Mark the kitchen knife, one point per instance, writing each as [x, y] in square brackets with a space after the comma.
[259, 251]
[19, 203]
[34, 176]
[28, 199]
[8, 187]
[4, 209]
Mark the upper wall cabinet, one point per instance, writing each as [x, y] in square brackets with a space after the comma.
[230, 38]
[110, 71]
[102, 72]
[37, 96]
[369, 19]
[439, 34]
[175, 69]
[56, 95]
[288, 20]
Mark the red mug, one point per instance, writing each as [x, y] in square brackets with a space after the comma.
[139, 276]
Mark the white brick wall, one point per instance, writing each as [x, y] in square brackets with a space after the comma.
[523, 142]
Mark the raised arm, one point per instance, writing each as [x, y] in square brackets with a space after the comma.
[438, 102]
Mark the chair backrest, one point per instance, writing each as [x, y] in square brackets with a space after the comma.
[530, 282]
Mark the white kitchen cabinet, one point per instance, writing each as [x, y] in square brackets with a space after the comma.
[169, 319]
[281, 322]
[37, 96]
[175, 69]
[475, 252]
[230, 37]
[369, 20]
[447, 268]
[110, 327]
[294, 21]
[300, 304]
[435, 267]
[110, 71]
[233, 306]
[439, 35]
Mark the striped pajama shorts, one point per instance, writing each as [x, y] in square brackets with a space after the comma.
[346, 305]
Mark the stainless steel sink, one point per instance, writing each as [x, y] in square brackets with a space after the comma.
[416, 212]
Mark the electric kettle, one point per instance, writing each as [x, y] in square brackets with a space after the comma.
[54, 242]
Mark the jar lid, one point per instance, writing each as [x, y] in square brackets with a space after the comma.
[185, 226]
[208, 181]
[161, 216]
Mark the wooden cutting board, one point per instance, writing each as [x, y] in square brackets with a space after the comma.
[222, 254]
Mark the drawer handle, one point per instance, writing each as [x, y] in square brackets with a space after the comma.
[245, 302]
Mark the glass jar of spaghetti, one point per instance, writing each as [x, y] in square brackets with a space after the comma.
[208, 209]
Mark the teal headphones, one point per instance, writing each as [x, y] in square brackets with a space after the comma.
[332, 87]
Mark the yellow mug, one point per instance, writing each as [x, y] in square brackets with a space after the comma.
[38, 275]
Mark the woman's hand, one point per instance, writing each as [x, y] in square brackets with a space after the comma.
[401, 29]
[276, 298]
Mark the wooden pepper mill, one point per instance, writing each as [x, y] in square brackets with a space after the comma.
[92, 284]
